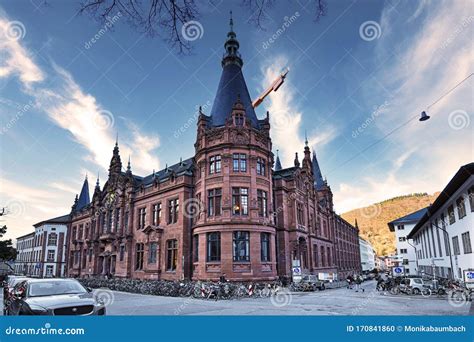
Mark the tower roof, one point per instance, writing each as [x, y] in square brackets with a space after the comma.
[318, 177]
[84, 196]
[232, 85]
[278, 163]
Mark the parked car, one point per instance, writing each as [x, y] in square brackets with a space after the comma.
[412, 285]
[8, 285]
[313, 281]
[53, 297]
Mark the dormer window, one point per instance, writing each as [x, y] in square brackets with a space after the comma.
[239, 119]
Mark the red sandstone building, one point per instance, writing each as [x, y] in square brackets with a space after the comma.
[225, 211]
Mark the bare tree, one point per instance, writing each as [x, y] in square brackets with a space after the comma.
[165, 18]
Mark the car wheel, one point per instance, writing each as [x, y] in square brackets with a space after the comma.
[323, 287]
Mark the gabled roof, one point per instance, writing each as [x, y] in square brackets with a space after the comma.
[463, 174]
[57, 220]
[84, 199]
[410, 218]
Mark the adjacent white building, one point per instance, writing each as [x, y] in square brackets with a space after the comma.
[43, 252]
[406, 251]
[444, 235]
[367, 255]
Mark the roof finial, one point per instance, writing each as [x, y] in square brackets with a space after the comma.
[305, 138]
[231, 23]
[129, 168]
[116, 139]
[277, 153]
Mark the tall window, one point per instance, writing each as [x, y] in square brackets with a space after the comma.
[466, 243]
[300, 215]
[91, 251]
[265, 247]
[241, 244]
[261, 166]
[117, 219]
[152, 252]
[139, 256]
[195, 248]
[456, 246]
[215, 164]
[470, 193]
[214, 202]
[126, 221]
[110, 221]
[74, 233]
[451, 217]
[461, 207]
[262, 203]
[239, 162]
[81, 229]
[240, 201]
[156, 214]
[171, 255]
[52, 239]
[213, 246]
[239, 119]
[122, 252]
[141, 218]
[173, 208]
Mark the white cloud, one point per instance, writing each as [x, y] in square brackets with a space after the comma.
[286, 118]
[15, 59]
[428, 63]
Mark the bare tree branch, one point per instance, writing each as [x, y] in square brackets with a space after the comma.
[164, 18]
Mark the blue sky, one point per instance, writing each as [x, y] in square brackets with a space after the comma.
[362, 70]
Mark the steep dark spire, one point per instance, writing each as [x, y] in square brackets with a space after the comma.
[277, 163]
[232, 85]
[84, 196]
[318, 177]
[129, 167]
[297, 162]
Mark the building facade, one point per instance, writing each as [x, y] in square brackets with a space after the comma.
[443, 237]
[225, 211]
[43, 252]
[367, 255]
[406, 250]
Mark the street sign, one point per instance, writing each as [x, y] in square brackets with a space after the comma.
[398, 271]
[469, 278]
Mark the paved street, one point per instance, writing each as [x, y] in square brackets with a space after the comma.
[340, 301]
[330, 302]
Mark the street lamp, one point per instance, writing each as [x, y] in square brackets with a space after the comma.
[424, 116]
[416, 255]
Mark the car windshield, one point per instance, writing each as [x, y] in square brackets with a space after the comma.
[12, 282]
[51, 288]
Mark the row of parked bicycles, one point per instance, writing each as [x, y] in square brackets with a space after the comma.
[427, 288]
[225, 290]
